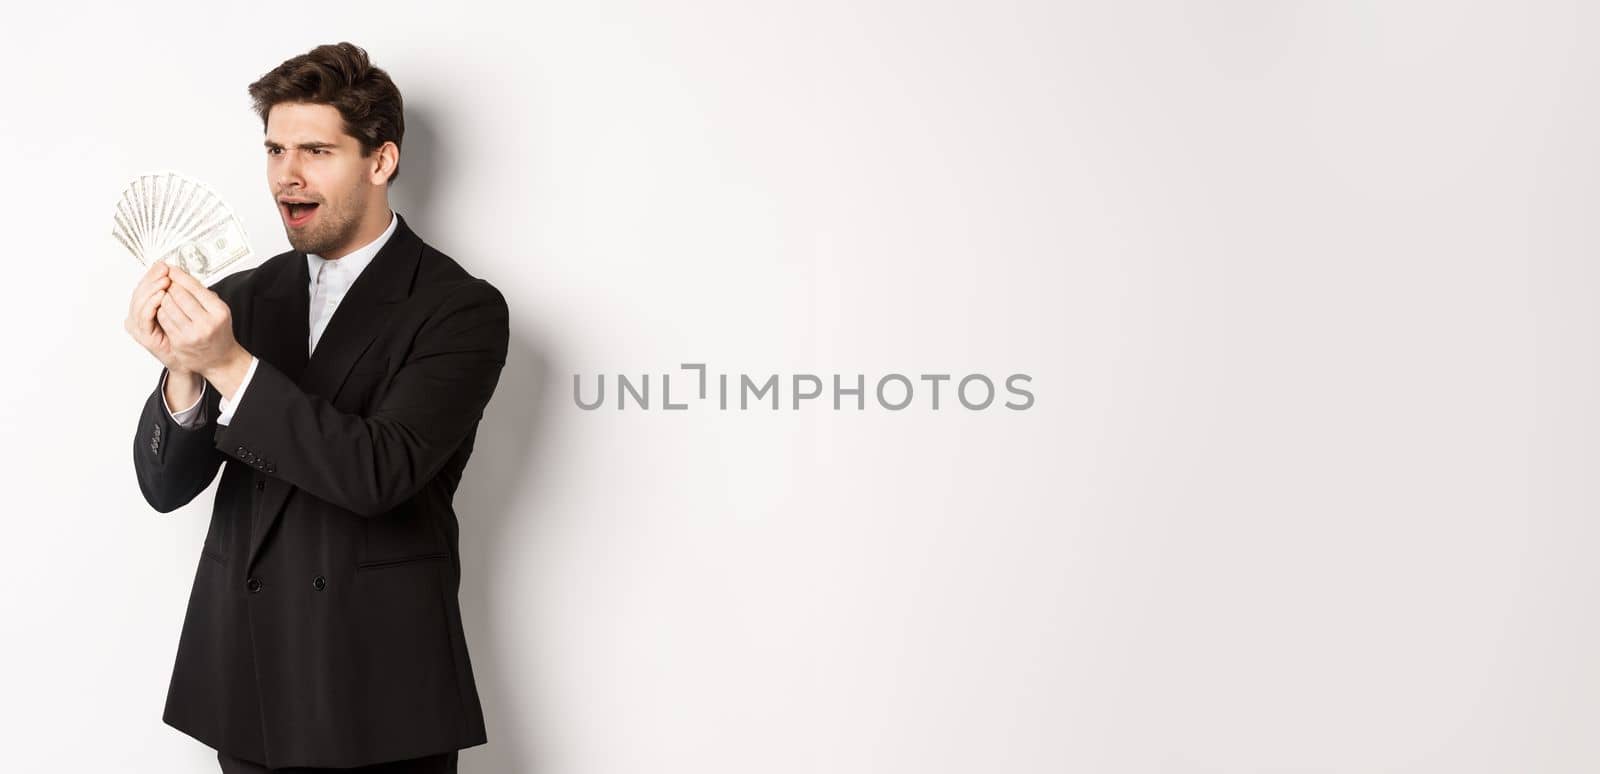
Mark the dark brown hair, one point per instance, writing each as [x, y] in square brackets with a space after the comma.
[340, 75]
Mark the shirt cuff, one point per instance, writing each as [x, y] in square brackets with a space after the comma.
[188, 418]
[229, 405]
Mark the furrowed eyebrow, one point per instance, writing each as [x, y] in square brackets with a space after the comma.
[305, 145]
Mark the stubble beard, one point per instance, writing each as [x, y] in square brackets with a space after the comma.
[335, 227]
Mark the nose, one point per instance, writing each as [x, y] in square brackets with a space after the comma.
[286, 171]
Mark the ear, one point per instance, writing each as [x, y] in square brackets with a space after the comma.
[384, 161]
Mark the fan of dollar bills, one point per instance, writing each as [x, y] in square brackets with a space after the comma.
[165, 216]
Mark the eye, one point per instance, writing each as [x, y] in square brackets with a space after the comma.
[318, 151]
[273, 151]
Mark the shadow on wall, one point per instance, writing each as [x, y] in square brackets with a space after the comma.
[421, 168]
[511, 440]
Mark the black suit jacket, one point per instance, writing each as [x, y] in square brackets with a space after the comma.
[323, 628]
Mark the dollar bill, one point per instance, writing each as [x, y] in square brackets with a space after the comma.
[166, 216]
[210, 252]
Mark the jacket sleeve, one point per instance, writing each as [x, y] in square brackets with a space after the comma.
[372, 464]
[173, 461]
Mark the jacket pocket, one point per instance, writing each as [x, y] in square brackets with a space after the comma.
[364, 566]
[405, 534]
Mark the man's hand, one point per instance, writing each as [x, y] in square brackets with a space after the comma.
[141, 323]
[199, 330]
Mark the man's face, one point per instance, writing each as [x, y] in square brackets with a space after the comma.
[318, 176]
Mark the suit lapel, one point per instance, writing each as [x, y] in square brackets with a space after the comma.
[281, 329]
[281, 324]
[360, 316]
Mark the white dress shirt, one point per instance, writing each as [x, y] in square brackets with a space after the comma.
[330, 280]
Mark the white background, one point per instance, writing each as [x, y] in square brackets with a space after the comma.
[1306, 291]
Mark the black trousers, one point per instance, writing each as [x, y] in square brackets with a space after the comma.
[443, 763]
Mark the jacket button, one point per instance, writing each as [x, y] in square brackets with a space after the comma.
[319, 583]
[260, 485]
[253, 584]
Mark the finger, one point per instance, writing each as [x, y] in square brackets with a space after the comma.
[170, 321]
[148, 325]
[186, 301]
[153, 276]
[170, 315]
[179, 274]
[146, 285]
[145, 317]
[199, 292]
[139, 309]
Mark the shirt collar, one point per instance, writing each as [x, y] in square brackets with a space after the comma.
[357, 259]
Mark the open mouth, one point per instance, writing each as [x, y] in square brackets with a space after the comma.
[297, 214]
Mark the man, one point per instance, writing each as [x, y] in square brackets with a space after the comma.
[339, 387]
